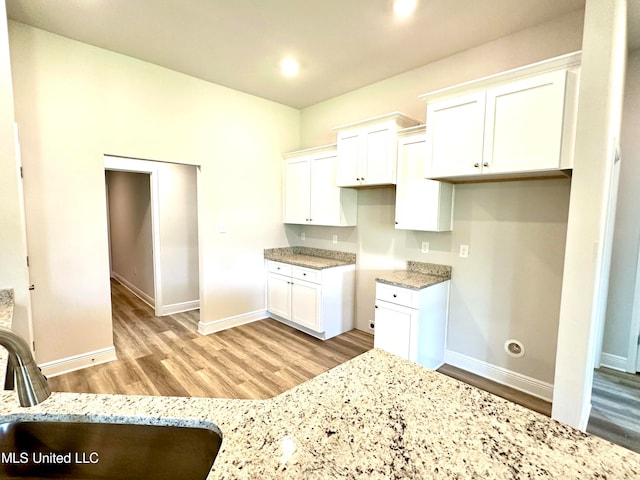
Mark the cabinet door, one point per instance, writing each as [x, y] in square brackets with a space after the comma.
[279, 295]
[454, 136]
[396, 330]
[297, 188]
[325, 195]
[305, 304]
[421, 204]
[523, 128]
[349, 151]
[378, 162]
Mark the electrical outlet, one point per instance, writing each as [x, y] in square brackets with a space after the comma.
[335, 239]
[425, 247]
[303, 237]
[464, 251]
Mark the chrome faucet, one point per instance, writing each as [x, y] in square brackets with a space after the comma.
[31, 385]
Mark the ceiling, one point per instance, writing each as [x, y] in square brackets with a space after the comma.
[341, 44]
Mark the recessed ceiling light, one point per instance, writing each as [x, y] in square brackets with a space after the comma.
[289, 67]
[404, 8]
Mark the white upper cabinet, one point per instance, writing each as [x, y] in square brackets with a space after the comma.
[311, 196]
[297, 188]
[454, 141]
[523, 126]
[421, 204]
[519, 123]
[367, 150]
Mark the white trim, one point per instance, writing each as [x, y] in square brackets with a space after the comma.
[133, 289]
[584, 419]
[501, 375]
[634, 329]
[77, 362]
[205, 328]
[179, 307]
[557, 63]
[616, 362]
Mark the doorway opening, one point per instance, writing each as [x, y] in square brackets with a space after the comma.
[152, 219]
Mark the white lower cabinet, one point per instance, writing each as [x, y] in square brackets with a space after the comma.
[412, 323]
[318, 302]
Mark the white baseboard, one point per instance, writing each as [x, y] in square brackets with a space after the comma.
[77, 362]
[501, 375]
[148, 299]
[615, 362]
[205, 328]
[179, 307]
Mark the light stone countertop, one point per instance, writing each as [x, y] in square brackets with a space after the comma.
[315, 258]
[374, 417]
[6, 316]
[6, 308]
[417, 276]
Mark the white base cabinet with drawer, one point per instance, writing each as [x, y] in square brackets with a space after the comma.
[412, 323]
[317, 302]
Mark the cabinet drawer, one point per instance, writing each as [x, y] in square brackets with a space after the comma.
[281, 268]
[306, 274]
[397, 295]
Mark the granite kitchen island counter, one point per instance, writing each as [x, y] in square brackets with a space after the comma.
[376, 416]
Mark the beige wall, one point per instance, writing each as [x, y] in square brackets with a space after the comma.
[627, 227]
[130, 234]
[75, 103]
[178, 205]
[509, 287]
[560, 36]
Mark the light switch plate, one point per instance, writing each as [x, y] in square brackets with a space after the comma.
[335, 239]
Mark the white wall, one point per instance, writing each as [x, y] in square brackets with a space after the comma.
[627, 227]
[586, 272]
[76, 103]
[13, 247]
[554, 38]
[510, 285]
[130, 233]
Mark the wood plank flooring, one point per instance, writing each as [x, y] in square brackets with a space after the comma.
[166, 356]
[615, 411]
[511, 394]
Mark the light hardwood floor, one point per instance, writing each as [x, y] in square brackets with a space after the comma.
[165, 356]
[615, 412]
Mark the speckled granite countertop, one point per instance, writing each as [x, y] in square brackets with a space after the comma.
[6, 307]
[6, 316]
[417, 276]
[315, 258]
[374, 417]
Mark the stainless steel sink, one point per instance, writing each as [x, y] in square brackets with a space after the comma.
[77, 450]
